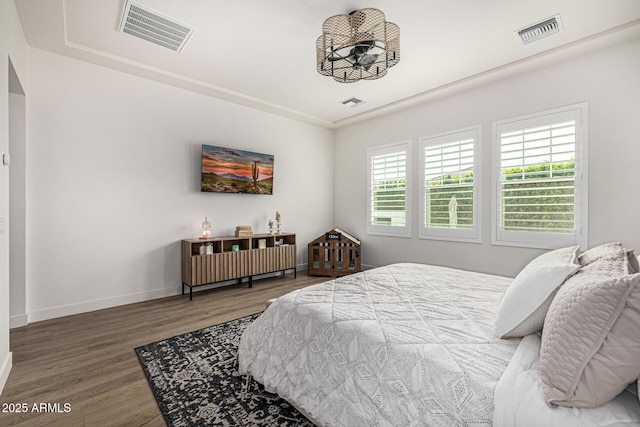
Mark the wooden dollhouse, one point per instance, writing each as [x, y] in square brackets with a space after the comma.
[335, 253]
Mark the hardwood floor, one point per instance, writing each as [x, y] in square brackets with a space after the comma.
[88, 361]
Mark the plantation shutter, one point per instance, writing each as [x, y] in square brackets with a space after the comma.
[388, 189]
[539, 179]
[448, 169]
[449, 191]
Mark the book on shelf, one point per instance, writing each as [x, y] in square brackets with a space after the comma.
[244, 231]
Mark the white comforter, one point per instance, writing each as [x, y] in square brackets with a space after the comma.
[401, 345]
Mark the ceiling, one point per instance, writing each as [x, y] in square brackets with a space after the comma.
[262, 53]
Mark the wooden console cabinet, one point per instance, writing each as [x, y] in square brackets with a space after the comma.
[232, 258]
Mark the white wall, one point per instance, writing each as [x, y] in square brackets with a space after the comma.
[17, 205]
[12, 45]
[608, 79]
[113, 182]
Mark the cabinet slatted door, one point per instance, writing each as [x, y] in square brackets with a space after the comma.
[284, 257]
[261, 261]
[201, 269]
[273, 259]
[230, 265]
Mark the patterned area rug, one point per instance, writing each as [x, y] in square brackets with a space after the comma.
[195, 380]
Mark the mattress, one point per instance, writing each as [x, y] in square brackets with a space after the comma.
[403, 345]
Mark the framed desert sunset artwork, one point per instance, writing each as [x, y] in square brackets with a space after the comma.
[228, 170]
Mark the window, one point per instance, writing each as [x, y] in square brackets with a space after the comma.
[540, 179]
[449, 190]
[388, 207]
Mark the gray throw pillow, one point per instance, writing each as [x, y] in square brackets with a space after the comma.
[590, 347]
[612, 264]
[594, 254]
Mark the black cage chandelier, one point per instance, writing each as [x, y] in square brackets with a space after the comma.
[359, 46]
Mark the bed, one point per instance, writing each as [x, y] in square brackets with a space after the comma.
[401, 345]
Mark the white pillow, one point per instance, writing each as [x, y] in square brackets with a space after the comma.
[525, 304]
[518, 399]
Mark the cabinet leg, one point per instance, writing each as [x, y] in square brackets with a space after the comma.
[295, 272]
[190, 293]
[251, 281]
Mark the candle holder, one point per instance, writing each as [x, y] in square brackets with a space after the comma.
[206, 228]
[278, 217]
[270, 226]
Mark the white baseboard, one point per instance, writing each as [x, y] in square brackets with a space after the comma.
[5, 369]
[99, 304]
[18, 321]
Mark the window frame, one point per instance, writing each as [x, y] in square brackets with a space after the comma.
[391, 230]
[474, 234]
[579, 112]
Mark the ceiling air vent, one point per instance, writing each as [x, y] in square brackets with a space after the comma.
[541, 29]
[142, 22]
[352, 102]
